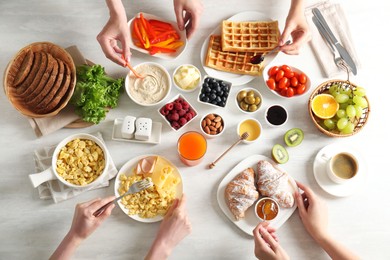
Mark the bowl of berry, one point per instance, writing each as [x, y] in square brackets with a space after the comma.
[178, 112]
[214, 92]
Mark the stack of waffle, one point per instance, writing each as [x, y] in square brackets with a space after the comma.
[232, 51]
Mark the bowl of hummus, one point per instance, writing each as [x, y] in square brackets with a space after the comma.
[153, 88]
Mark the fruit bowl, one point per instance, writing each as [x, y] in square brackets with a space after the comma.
[341, 87]
[295, 81]
[178, 112]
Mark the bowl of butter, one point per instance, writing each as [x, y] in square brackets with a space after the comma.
[187, 77]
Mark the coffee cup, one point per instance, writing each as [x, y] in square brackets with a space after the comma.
[341, 167]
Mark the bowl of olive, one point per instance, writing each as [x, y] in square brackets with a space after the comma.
[249, 100]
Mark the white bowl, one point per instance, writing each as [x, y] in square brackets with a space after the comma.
[261, 201]
[257, 94]
[148, 91]
[276, 114]
[165, 56]
[196, 83]
[203, 86]
[52, 174]
[202, 128]
[293, 69]
[251, 129]
[160, 111]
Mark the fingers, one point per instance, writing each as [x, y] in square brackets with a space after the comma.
[308, 192]
[100, 202]
[179, 17]
[268, 238]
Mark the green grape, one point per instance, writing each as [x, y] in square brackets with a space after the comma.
[341, 123]
[341, 113]
[344, 105]
[359, 91]
[346, 91]
[360, 101]
[330, 124]
[359, 111]
[348, 129]
[351, 111]
[341, 98]
[333, 89]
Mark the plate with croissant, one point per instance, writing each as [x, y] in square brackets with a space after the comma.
[253, 178]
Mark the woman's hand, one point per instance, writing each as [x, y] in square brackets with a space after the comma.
[116, 31]
[267, 246]
[173, 229]
[188, 14]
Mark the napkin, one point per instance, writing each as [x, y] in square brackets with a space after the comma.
[55, 189]
[335, 17]
[46, 125]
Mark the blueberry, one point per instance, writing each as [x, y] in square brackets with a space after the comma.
[226, 94]
[214, 102]
[225, 88]
[224, 99]
[207, 89]
[218, 99]
[213, 96]
[222, 103]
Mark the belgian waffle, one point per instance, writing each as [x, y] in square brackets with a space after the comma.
[234, 62]
[249, 36]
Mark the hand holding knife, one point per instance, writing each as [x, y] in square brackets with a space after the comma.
[329, 36]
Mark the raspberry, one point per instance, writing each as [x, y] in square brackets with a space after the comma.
[164, 111]
[169, 106]
[178, 106]
[179, 100]
[182, 121]
[185, 105]
[192, 112]
[175, 125]
[182, 112]
[174, 116]
[188, 116]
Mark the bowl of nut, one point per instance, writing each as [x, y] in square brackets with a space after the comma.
[249, 100]
[79, 161]
[212, 125]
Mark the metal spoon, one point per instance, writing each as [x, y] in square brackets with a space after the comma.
[259, 58]
[272, 208]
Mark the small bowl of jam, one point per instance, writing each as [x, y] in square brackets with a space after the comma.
[266, 209]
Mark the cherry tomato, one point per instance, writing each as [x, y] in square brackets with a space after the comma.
[290, 92]
[286, 68]
[294, 81]
[271, 83]
[272, 71]
[301, 89]
[289, 74]
[283, 83]
[302, 78]
[279, 75]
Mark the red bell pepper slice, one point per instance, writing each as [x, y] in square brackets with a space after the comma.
[148, 28]
[160, 24]
[153, 50]
[137, 31]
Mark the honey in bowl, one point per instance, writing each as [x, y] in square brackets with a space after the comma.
[269, 207]
[252, 127]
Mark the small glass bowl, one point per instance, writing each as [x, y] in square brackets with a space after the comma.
[212, 125]
[252, 126]
[180, 74]
[271, 209]
[256, 95]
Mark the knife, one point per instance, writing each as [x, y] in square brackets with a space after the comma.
[343, 52]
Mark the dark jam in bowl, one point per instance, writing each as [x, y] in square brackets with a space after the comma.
[276, 115]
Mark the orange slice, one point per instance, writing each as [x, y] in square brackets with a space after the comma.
[324, 106]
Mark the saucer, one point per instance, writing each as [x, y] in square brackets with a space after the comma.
[335, 189]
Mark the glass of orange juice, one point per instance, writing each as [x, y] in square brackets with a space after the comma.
[191, 147]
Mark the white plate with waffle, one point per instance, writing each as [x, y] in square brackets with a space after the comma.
[235, 79]
[250, 221]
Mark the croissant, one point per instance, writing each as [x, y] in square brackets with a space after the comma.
[273, 183]
[241, 193]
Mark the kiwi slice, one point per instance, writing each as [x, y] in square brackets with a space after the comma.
[279, 153]
[293, 137]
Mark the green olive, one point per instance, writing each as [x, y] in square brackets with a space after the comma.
[250, 100]
[241, 95]
[252, 108]
[251, 93]
[244, 106]
[257, 101]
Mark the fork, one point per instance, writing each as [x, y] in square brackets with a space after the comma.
[336, 55]
[134, 188]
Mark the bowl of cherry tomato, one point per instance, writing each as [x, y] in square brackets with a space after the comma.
[286, 81]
